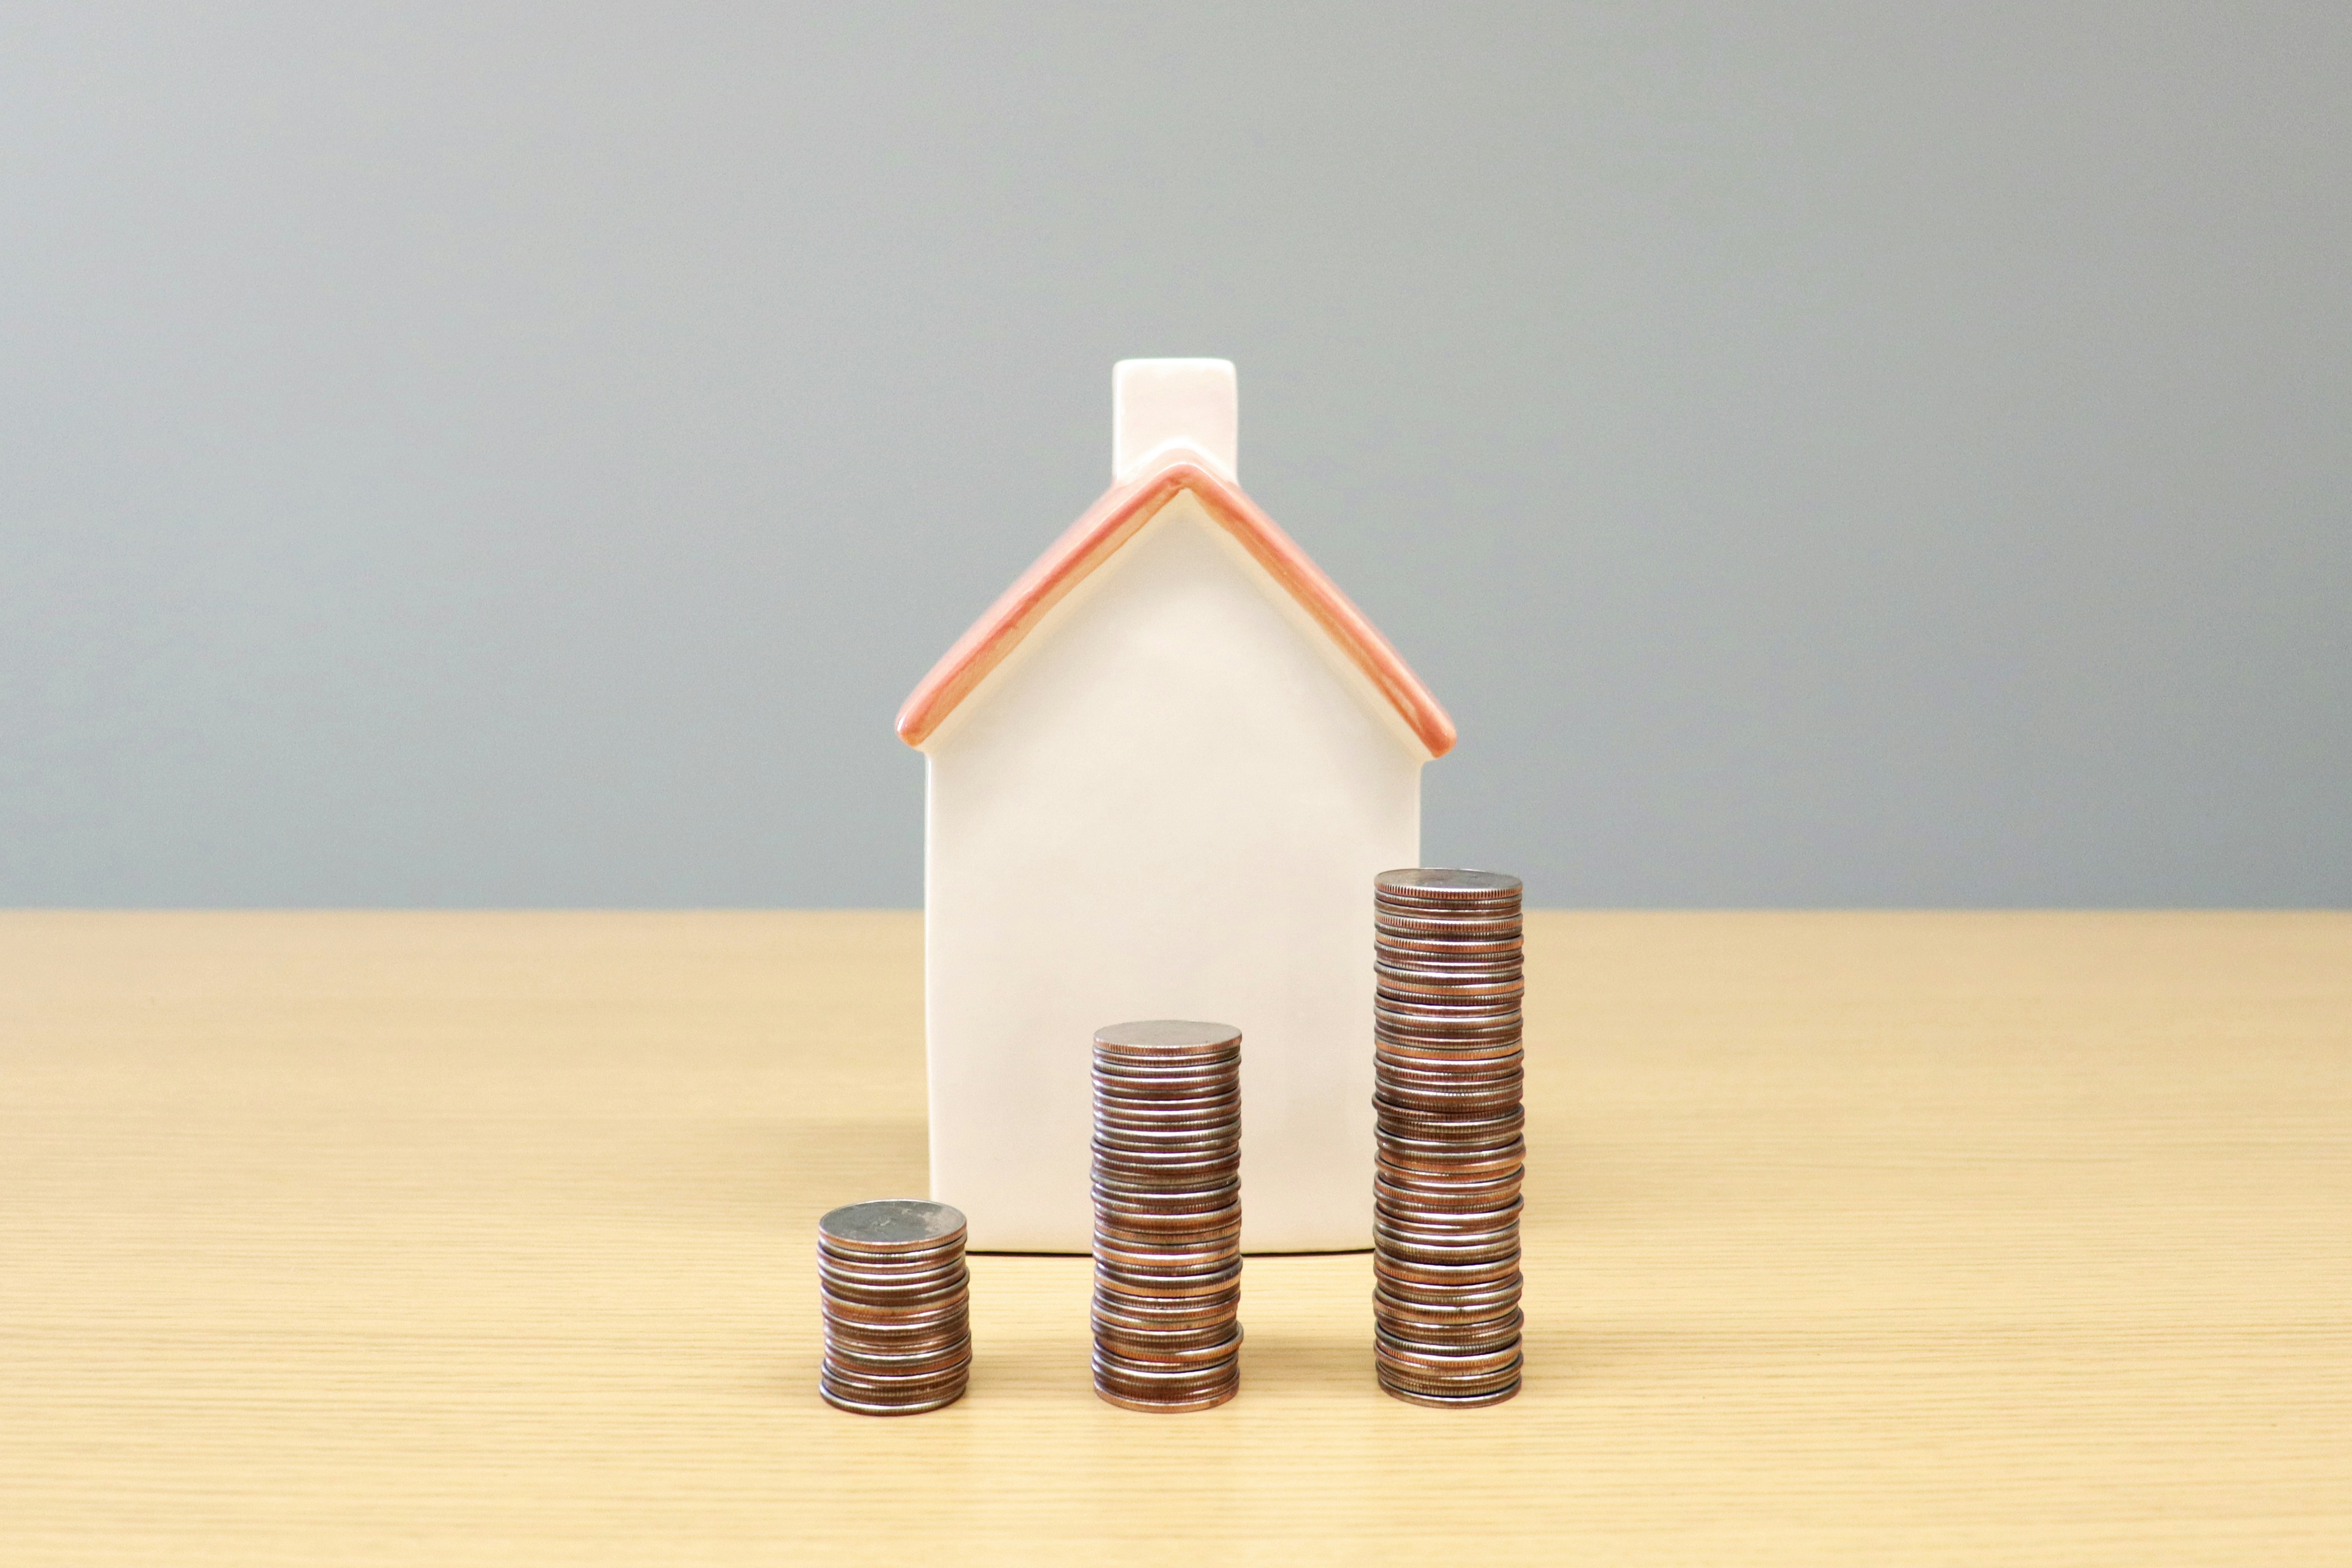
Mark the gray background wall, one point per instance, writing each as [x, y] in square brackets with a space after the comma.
[499, 454]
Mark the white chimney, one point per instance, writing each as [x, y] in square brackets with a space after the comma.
[1159, 403]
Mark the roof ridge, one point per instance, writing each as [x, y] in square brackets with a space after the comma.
[1099, 534]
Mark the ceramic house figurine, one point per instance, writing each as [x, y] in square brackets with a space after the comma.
[1164, 768]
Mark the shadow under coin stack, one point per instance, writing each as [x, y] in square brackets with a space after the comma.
[1167, 1214]
[897, 1337]
[1448, 1067]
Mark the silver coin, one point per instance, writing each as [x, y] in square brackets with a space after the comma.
[900, 1299]
[1149, 1379]
[1201, 1348]
[1465, 918]
[1447, 881]
[1425, 1072]
[892, 1225]
[882, 1387]
[1493, 1329]
[1206, 1076]
[857, 1361]
[1165, 1083]
[1394, 1377]
[1429, 1388]
[1167, 1034]
[943, 1277]
[1448, 1362]
[1448, 980]
[1415, 1219]
[1223, 1106]
[1429, 1026]
[1465, 1126]
[1467, 1059]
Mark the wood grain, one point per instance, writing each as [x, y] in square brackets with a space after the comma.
[474, 1238]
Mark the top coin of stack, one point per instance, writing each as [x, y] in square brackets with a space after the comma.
[892, 1280]
[1167, 1214]
[1449, 1074]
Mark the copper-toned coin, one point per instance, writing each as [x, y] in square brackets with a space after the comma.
[866, 1320]
[1467, 1124]
[1172, 1268]
[844, 1400]
[1448, 1055]
[1405, 1276]
[1158, 1215]
[1165, 1274]
[1499, 1253]
[1497, 995]
[1163, 1404]
[1193, 1197]
[1173, 1167]
[1198, 1111]
[1481, 1166]
[1478, 941]
[1147, 1309]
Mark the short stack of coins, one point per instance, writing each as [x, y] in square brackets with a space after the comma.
[1449, 1074]
[897, 1337]
[1167, 1214]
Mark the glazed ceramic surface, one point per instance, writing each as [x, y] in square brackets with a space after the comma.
[1162, 774]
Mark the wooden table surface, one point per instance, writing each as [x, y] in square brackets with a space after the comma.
[485, 1239]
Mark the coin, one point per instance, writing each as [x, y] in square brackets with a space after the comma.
[892, 1225]
[1448, 882]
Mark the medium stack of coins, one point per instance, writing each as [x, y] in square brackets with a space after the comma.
[1448, 1067]
[896, 1337]
[1167, 1214]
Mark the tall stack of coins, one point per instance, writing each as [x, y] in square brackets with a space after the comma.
[1445, 1229]
[1167, 1214]
[891, 1275]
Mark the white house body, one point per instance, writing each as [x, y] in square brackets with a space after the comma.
[1163, 773]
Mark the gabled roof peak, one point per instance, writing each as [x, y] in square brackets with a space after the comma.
[1107, 525]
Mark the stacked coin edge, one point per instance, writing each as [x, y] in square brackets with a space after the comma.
[1449, 1119]
[897, 1337]
[1167, 1214]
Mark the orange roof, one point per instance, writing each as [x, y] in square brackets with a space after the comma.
[1095, 538]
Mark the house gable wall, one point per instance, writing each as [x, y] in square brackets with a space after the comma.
[1170, 801]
